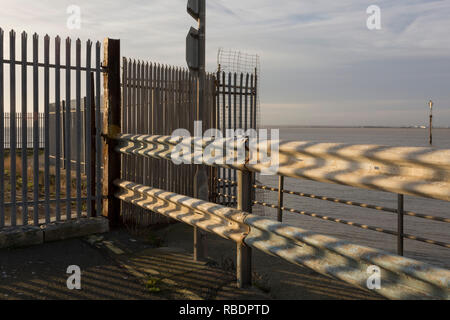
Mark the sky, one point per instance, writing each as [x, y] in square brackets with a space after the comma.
[320, 64]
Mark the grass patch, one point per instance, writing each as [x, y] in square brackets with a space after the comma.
[152, 285]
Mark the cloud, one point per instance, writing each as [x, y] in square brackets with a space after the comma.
[311, 51]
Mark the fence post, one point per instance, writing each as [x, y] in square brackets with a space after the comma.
[400, 210]
[280, 198]
[244, 253]
[111, 128]
[200, 192]
[93, 148]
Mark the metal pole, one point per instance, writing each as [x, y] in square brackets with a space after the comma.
[280, 198]
[244, 253]
[400, 232]
[431, 122]
[201, 177]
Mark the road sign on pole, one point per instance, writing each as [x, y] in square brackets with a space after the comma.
[192, 50]
[195, 40]
[193, 8]
[195, 58]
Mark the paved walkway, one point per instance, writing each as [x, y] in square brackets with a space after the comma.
[277, 277]
[114, 266]
[156, 265]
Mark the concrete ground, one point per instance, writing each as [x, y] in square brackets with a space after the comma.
[275, 276]
[156, 265]
[114, 266]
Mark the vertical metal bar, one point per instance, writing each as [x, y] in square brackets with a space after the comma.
[240, 100]
[177, 110]
[230, 111]
[124, 173]
[137, 121]
[36, 128]
[93, 147]
[193, 118]
[235, 127]
[63, 134]
[143, 120]
[78, 125]
[255, 102]
[88, 109]
[84, 150]
[235, 102]
[68, 141]
[253, 120]
[129, 122]
[246, 125]
[47, 127]
[161, 121]
[165, 119]
[280, 198]
[170, 116]
[431, 123]
[244, 253]
[217, 125]
[98, 141]
[181, 124]
[400, 213]
[24, 125]
[146, 120]
[252, 125]
[2, 135]
[133, 114]
[189, 112]
[139, 124]
[139, 118]
[58, 127]
[13, 127]
[151, 122]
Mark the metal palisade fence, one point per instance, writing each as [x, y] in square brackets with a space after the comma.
[51, 159]
[29, 127]
[33, 189]
[157, 100]
[236, 96]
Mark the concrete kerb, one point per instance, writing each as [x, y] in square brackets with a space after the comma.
[25, 236]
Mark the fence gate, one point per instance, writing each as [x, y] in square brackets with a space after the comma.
[33, 188]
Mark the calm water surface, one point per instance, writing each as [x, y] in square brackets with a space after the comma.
[440, 231]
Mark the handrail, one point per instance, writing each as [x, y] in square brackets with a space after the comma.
[412, 171]
[223, 221]
[403, 278]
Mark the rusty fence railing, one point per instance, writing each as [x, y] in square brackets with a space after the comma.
[32, 188]
[413, 171]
